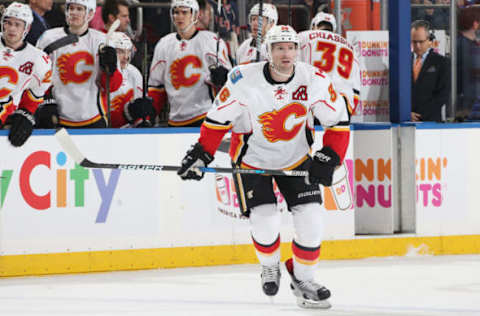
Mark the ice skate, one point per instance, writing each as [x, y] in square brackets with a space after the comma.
[309, 293]
[271, 279]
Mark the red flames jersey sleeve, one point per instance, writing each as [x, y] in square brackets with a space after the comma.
[25, 75]
[179, 70]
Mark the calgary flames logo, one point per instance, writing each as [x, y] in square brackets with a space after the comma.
[12, 78]
[274, 123]
[67, 67]
[177, 71]
[117, 103]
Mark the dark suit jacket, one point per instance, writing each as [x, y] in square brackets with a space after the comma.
[37, 29]
[432, 88]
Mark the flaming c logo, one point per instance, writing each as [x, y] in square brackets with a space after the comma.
[121, 99]
[273, 123]
[177, 71]
[12, 75]
[67, 67]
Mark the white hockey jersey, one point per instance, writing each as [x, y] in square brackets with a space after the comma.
[131, 89]
[25, 75]
[272, 123]
[181, 67]
[332, 54]
[247, 52]
[76, 73]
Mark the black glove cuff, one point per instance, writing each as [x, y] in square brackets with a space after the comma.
[327, 156]
[26, 115]
[197, 151]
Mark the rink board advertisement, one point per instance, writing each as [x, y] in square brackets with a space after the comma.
[57, 217]
[447, 176]
[63, 207]
[371, 49]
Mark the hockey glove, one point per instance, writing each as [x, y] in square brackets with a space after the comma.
[46, 116]
[21, 126]
[196, 157]
[322, 167]
[107, 56]
[218, 75]
[141, 108]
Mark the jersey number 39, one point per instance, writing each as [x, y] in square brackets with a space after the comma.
[344, 58]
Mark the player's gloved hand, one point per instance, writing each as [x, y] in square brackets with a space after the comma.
[218, 75]
[107, 56]
[46, 116]
[21, 126]
[196, 157]
[322, 167]
[141, 108]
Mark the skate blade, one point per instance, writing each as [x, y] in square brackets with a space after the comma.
[311, 304]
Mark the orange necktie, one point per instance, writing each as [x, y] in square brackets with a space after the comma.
[417, 66]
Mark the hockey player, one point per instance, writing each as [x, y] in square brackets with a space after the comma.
[269, 107]
[26, 73]
[187, 67]
[128, 106]
[80, 69]
[247, 51]
[331, 53]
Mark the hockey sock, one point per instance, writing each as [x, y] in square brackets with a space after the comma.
[265, 223]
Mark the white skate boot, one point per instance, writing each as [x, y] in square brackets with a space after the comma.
[270, 279]
[309, 293]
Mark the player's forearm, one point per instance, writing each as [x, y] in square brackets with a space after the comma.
[210, 137]
[337, 138]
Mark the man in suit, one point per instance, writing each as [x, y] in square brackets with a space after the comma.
[39, 25]
[430, 76]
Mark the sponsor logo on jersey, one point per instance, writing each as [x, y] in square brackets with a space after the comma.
[236, 75]
[300, 94]
[178, 71]
[68, 67]
[284, 124]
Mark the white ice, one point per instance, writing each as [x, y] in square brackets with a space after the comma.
[419, 285]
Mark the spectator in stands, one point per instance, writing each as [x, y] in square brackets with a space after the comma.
[468, 63]
[430, 76]
[187, 67]
[116, 9]
[204, 15]
[39, 25]
[56, 16]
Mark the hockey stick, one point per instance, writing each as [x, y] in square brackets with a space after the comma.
[260, 29]
[290, 12]
[61, 42]
[72, 150]
[217, 21]
[112, 29]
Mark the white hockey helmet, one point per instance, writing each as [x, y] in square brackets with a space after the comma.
[121, 40]
[20, 11]
[89, 4]
[192, 4]
[280, 34]
[324, 17]
[269, 11]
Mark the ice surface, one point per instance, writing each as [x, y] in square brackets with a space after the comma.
[414, 285]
